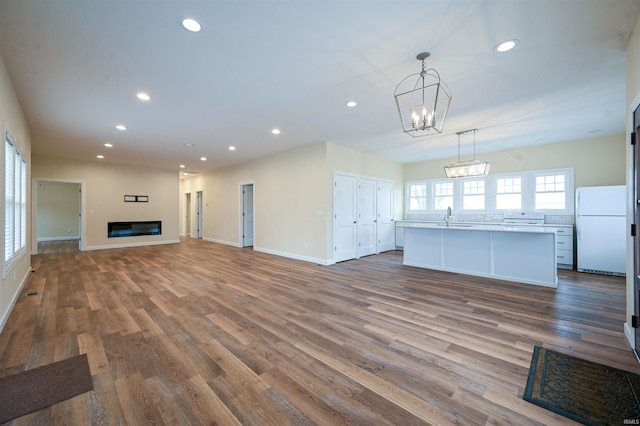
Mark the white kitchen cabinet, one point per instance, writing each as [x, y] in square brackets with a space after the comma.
[564, 245]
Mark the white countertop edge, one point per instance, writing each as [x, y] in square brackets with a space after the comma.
[493, 228]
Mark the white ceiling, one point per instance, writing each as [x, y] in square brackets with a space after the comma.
[77, 65]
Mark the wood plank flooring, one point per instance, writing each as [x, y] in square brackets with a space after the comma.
[201, 333]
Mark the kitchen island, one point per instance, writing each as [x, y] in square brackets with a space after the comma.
[515, 253]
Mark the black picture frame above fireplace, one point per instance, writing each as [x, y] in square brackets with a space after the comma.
[134, 229]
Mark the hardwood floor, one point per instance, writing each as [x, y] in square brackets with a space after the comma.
[201, 333]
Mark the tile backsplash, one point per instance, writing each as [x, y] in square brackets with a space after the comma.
[488, 218]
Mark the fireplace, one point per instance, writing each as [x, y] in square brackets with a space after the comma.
[133, 229]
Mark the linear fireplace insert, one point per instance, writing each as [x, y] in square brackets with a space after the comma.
[133, 229]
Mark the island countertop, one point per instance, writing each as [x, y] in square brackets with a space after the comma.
[524, 254]
[476, 226]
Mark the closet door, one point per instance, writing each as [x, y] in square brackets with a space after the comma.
[344, 217]
[384, 220]
[366, 226]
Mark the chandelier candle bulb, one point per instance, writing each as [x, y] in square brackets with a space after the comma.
[424, 92]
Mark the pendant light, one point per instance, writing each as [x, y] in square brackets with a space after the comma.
[423, 101]
[470, 168]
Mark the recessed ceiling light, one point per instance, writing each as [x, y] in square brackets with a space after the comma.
[143, 96]
[507, 45]
[182, 166]
[232, 148]
[100, 156]
[108, 145]
[351, 104]
[191, 25]
[189, 144]
[276, 131]
[203, 158]
[121, 127]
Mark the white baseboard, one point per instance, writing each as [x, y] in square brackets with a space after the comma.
[42, 239]
[294, 256]
[137, 244]
[226, 243]
[630, 335]
[14, 299]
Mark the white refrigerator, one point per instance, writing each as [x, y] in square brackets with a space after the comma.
[601, 229]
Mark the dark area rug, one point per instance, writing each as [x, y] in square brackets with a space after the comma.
[587, 392]
[31, 390]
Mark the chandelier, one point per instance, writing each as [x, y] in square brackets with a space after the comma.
[470, 168]
[423, 101]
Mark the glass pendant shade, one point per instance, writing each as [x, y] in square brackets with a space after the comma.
[469, 168]
[423, 101]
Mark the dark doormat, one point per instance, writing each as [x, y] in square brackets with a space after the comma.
[31, 390]
[587, 392]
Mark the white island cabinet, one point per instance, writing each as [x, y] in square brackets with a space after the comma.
[523, 254]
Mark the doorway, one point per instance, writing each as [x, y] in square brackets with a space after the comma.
[57, 215]
[199, 215]
[247, 214]
[636, 220]
[187, 214]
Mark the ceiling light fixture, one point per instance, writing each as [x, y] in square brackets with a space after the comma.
[276, 131]
[232, 148]
[121, 127]
[143, 96]
[351, 104]
[203, 158]
[108, 145]
[100, 156]
[191, 24]
[182, 166]
[469, 168]
[422, 102]
[507, 45]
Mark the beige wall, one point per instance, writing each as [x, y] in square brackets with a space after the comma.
[293, 198]
[11, 115]
[633, 100]
[57, 211]
[104, 187]
[596, 161]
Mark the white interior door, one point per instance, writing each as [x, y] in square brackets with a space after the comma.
[247, 215]
[344, 218]
[366, 210]
[199, 220]
[385, 225]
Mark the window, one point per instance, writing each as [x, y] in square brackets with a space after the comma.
[417, 196]
[550, 192]
[509, 193]
[442, 195]
[15, 203]
[473, 195]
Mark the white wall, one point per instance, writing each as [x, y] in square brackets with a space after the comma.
[293, 194]
[105, 186]
[11, 115]
[596, 161]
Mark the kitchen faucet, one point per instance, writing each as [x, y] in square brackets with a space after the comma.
[447, 217]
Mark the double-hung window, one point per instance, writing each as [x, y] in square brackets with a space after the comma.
[551, 192]
[442, 195]
[15, 203]
[417, 196]
[473, 195]
[509, 193]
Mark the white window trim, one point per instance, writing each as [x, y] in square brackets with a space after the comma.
[528, 193]
[16, 255]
